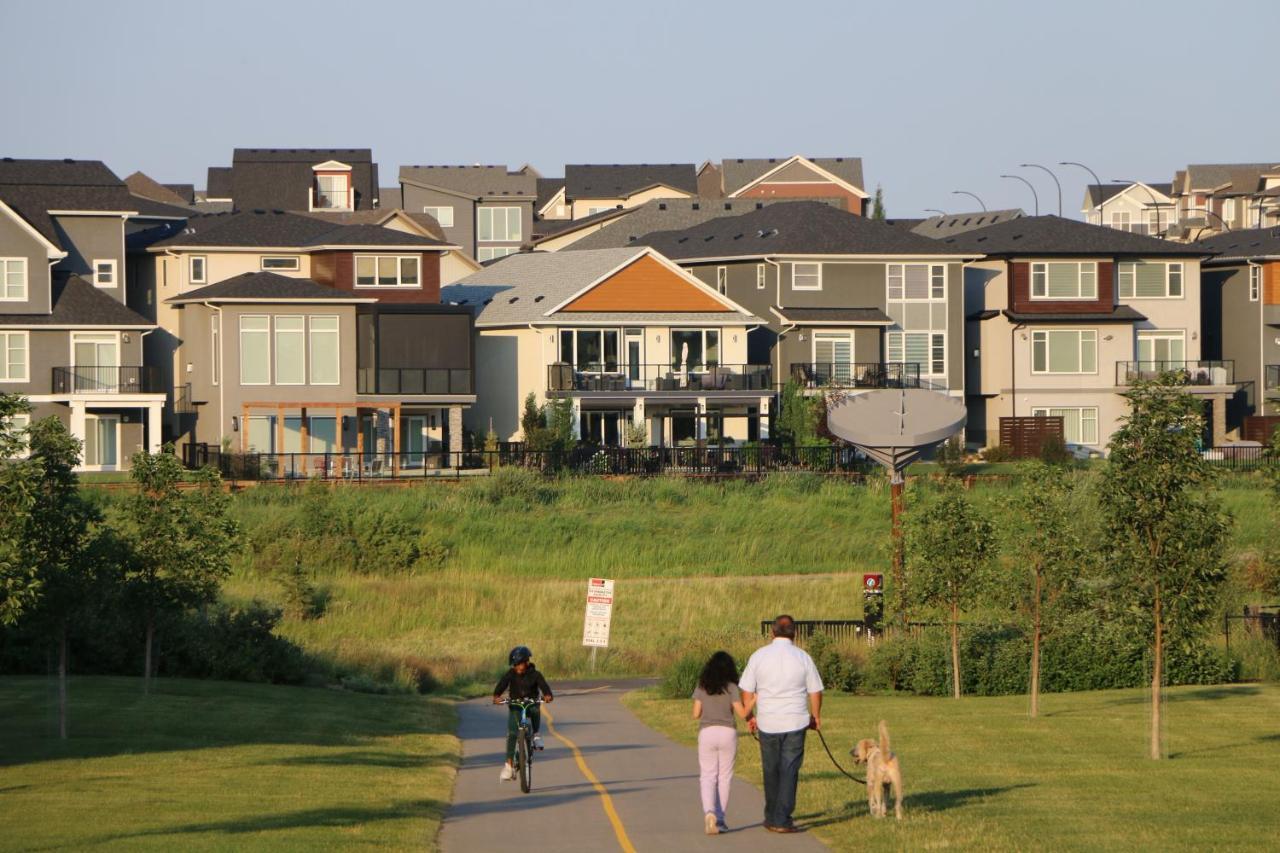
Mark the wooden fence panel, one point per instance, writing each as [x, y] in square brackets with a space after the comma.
[1259, 427]
[1025, 436]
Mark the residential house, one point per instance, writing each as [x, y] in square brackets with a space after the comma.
[796, 177]
[69, 343]
[551, 204]
[627, 336]
[337, 179]
[593, 189]
[1063, 316]
[948, 224]
[1215, 197]
[487, 210]
[1139, 207]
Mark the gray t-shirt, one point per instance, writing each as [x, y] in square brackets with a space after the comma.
[717, 710]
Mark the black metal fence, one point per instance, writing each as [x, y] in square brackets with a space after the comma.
[693, 378]
[1232, 458]
[93, 379]
[847, 374]
[836, 629]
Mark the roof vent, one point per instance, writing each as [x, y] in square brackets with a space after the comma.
[728, 206]
[259, 211]
[487, 301]
[682, 239]
[512, 300]
[278, 212]
[662, 205]
[759, 205]
[67, 160]
[539, 298]
[696, 206]
[767, 232]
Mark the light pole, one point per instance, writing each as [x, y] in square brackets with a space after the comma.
[1211, 213]
[1055, 181]
[935, 210]
[1030, 186]
[1155, 204]
[972, 195]
[1096, 182]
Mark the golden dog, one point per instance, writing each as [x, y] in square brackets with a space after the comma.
[883, 770]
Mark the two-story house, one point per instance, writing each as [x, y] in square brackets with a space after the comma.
[248, 300]
[1140, 207]
[836, 178]
[69, 343]
[487, 210]
[849, 302]
[295, 179]
[1063, 316]
[590, 189]
[1215, 197]
[625, 335]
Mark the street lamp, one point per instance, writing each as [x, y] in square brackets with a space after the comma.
[1096, 182]
[935, 210]
[1211, 213]
[1155, 204]
[972, 195]
[1030, 186]
[1055, 180]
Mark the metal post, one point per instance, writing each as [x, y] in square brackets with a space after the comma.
[593, 660]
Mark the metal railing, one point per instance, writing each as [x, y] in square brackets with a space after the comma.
[604, 377]
[857, 374]
[1191, 372]
[1237, 458]
[92, 379]
[182, 402]
[414, 380]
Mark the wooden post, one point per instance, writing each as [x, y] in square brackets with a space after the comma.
[899, 579]
[340, 438]
[244, 428]
[304, 439]
[395, 442]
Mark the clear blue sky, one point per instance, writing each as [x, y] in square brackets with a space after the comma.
[932, 96]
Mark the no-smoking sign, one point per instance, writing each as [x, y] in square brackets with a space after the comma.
[873, 584]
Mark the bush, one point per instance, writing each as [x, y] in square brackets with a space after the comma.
[1054, 452]
[235, 644]
[840, 669]
[680, 679]
[998, 453]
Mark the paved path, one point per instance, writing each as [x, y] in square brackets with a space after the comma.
[651, 784]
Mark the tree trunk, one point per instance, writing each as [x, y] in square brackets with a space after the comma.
[1157, 677]
[62, 681]
[1035, 649]
[146, 675]
[955, 650]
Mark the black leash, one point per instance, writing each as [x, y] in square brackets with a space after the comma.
[829, 755]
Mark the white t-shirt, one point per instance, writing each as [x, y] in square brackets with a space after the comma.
[782, 677]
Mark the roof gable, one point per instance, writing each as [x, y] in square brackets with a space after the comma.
[642, 286]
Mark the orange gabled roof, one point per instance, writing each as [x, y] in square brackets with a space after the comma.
[646, 285]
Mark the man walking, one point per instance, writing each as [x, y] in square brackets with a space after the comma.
[782, 686]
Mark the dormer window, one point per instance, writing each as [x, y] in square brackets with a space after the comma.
[331, 186]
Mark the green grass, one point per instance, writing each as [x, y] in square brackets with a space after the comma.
[981, 775]
[221, 766]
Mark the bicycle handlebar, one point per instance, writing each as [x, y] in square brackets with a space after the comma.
[525, 702]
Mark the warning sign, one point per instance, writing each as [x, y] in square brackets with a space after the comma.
[595, 625]
[873, 584]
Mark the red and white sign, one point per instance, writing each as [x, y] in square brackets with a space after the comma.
[595, 625]
[873, 584]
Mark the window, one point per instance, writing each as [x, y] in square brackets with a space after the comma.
[1064, 351]
[104, 273]
[927, 349]
[1162, 350]
[590, 350]
[592, 211]
[722, 279]
[325, 366]
[760, 277]
[387, 270]
[331, 192]
[197, 271]
[1255, 283]
[806, 276]
[692, 349]
[916, 281]
[832, 353]
[1229, 210]
[1079, 423]
[489, 253]
[443, 215]
[1064, 280]
[1120, 220]
[13, 357]
[286, 263]
[13, 279]
[255, 349]
[937, 282]
[1142, 280]
[215, 345]
[498, 224]
[291, 350]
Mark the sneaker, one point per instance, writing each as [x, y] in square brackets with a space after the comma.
[537, 742]
[722, 826]
[709, 821]
[508, 773]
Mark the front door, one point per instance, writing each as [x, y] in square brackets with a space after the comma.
[102, 441]
[95, 363]
[414, 440]
[633, 352]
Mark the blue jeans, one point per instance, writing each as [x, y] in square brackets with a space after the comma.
[781, 754]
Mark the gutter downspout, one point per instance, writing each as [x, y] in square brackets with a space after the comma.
[222, 379]
[777, 351]
[1262, 338]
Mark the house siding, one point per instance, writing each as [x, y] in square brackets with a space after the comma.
[1020, 290]
[463, 231]
[90, 238]
[17, 242]
[337, 270]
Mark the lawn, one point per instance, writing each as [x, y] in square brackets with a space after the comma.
[981, 775]
[221, 766]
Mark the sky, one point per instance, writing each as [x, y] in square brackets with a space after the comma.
[935, 97]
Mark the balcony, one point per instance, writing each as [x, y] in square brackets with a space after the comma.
[859, 374]
[597, 378]
[414, 381]
[331, 199]
[1199, 373]
[87, 379]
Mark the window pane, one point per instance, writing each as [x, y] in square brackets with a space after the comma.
[611, 350]
[1150, 280]
[324, 434]
[938, 282]
[939, 354]
[1126, 275]
[589, 356]
[1088, 281]
[325, 369]
[1175, 279]
[893, 347]
[255, 350]
[366, 269]
[895, 281]
[712, 354]
[409, 271]
[261, 433]
[1064, 352]
[291, 351]
[1089, 352]
[386, 271]
[1064, 281]
[280, 263]
[917, 276]
[513, 224]
[686, 348]
[1039, 352]
[917, 350]
[1089, 426]
[484, 223]
[566, 346]
[1038, 277]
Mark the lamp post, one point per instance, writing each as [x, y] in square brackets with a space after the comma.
[971, 195]
[1030, 186]
[1155, 204]
[1096, 182]
[1052, 175]
[1211, 213]
[935, 210]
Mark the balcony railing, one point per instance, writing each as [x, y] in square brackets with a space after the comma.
[321, 199]
[565, 378]
[861, 374]
[1191, 372]
[414, 380]
[90, 379]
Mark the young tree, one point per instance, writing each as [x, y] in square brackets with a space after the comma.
[180, 542]
[532, 426]
[949, 548]
[877, 206]
[558, 415]
[799, 416]
[1164, 530]
[19, 481]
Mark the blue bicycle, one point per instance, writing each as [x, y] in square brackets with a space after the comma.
[523, 764]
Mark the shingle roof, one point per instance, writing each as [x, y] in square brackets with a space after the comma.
[740, 172]
[792, 228]
[620, 181]
[1110, 191]
[1242, 177]
[1237, 246]
[868, 316]
[76, 302]
[282, 177]
[275, 228]
[669, 215]
[142, 184]
[1052, 235]
[218, 182]
[186, 192]
[377, 217]
[474, 181]
[34, 187]
[267, 285]
[958, 223]
[547, 189]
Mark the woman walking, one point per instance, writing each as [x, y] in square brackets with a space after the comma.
[715, 701]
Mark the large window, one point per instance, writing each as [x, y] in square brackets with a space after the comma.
[14, 362]
[1255, 283]
[806, 276]
[388, 270]
[692, 349]
[916, 281]
[332, 192]
[1121, 220]
[927, 349]
[291, 350]
[590, 350]
[443, 215]
[255, 349]
[280, 263]
[499, 224]
[1162, 349]
[1064, 351]
[488, 253]
[1064, 280]
[1079, 423]
[13, 279]
[1143, 280]
[325, 363]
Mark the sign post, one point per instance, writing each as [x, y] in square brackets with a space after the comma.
[599, 614]
[872, 599]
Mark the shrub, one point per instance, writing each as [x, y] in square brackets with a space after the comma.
[998, 453]
[236, 643]
[301, 599]
[839, 668]
[517, 485]
[1054, 452]
[950, 457]
[680, 679]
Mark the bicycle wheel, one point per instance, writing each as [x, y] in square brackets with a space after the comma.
[524, 755]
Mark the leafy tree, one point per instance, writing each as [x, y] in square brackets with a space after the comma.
[877, 207]
[558, 416]
[799, 416]
[532, 425]
[180, 542]
[636, 434]
[19, 482]
[1164, 529]
[949, 547]
[1263, 574]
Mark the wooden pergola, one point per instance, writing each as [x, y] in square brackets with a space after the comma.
[279, 409]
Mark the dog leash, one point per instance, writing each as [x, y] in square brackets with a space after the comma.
[829, 755]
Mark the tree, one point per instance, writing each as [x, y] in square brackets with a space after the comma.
[1163, 527]
[799, 416]
[19, 481]
[180, 543]
[877, 206]
[949, 547]
[1048, 550]
[558, 416]
[532, 425]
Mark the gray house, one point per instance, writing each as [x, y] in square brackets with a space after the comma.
[487, 210]
[336, 179]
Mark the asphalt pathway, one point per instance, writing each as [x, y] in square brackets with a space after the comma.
[620, 786]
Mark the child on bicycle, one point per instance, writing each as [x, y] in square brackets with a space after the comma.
[522, 681]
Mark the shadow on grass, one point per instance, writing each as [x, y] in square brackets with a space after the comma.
[1199, 694]
[367, 758]
[941, 801]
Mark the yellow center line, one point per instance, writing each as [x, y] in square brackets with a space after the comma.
[605, 800]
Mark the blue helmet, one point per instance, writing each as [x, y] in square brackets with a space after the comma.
[519, 654]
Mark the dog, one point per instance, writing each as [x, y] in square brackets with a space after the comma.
[883, 770]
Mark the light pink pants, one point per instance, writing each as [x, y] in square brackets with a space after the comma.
[717, 748]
